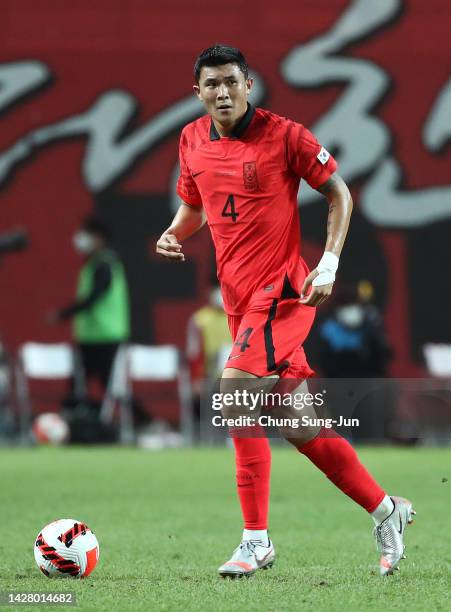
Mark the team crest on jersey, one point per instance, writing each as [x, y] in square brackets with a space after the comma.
[250, 178]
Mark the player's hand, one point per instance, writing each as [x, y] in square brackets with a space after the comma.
[169, 247]
[318, 294]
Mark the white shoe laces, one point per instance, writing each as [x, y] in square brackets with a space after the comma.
[248, 546]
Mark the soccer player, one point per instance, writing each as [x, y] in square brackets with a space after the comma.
[240, 169]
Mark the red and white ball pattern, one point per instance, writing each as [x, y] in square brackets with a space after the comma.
[50, 428]
[66, 547]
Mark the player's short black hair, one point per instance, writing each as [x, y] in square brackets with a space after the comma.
[94, 225]
[218, 55]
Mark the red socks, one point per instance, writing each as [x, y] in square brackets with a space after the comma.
[338, 460]
[331, 453]
[253, 468]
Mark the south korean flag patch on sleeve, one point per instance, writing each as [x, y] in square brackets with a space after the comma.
[323, 156]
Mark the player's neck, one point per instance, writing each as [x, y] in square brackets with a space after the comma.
[225, 130]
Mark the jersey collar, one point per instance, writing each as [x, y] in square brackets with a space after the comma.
[240, 127]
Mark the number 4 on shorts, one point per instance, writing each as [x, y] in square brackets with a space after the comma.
[242, 340]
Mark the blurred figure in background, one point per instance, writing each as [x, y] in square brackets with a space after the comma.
[100, 313]
[207, 336]
[353, 343]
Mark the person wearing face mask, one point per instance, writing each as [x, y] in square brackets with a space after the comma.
[100, 313]
[352, 339]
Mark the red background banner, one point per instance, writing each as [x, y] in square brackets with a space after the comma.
[144, 51]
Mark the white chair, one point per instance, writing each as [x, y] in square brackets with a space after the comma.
[435, 416]
[438, 359]
[141, 363]
[223, 356]
[42, 361]
[208, 434]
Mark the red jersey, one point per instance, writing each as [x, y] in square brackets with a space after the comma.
[248, 184]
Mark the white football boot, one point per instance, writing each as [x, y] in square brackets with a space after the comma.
[249, 557]
[389, 535]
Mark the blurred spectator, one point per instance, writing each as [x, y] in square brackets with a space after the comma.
[101, 311]
[207, 335]
[353, 343]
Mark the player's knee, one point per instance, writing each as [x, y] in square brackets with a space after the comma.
[300, 437]
[243, 393]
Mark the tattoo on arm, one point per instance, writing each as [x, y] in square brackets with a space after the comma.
[329, 188]
[340, 208]
[332, 207]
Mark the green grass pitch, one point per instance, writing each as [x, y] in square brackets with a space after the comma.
[166, 520]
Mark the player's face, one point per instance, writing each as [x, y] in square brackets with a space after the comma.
[224, 91]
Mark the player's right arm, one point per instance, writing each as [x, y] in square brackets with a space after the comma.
[187, 221]
[190, 217]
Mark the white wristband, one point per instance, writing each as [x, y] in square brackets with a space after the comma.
[326, 267]
[328, 262]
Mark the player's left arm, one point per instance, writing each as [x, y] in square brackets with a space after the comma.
[322, 278]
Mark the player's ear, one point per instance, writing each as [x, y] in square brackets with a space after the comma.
[249, 84]
[196, 90]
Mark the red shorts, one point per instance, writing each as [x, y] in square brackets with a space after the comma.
[269, 341]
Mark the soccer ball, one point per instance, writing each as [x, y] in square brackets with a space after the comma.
[66, 548]
[50, 428]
